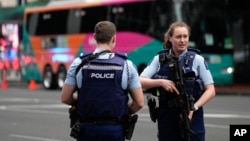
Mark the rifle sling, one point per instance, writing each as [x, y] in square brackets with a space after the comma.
[89, 58]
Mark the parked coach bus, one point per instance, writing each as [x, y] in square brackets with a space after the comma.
[57, 33]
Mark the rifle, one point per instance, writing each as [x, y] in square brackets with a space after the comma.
[185, 100]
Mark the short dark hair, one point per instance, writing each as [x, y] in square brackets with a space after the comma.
[104, 31]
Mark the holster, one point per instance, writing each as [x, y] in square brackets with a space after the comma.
[73, 116]
[152, 108]
[129, 125]
[75, 123]
[76, 129]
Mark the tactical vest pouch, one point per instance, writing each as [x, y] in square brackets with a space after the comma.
[194, 87]
[199, 86]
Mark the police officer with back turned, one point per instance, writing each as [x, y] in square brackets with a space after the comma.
[103, 83]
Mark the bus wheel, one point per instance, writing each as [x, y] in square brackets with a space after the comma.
[61, 75]
[48, 78]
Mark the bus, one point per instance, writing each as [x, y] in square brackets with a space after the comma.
[53, 35]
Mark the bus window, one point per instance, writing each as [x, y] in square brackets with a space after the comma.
[127, 19]
[91, 17]
[209, 30]
[48, 43]
[47, 23]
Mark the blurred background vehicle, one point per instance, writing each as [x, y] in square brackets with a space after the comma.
[52, 33]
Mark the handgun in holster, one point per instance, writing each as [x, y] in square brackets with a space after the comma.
[76, 129]
[129, 125]
[73, 116]
[75, 123]
[152, 108]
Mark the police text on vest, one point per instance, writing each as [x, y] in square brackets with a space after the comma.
[102, 75]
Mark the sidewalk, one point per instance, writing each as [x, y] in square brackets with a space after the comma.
[236, 89]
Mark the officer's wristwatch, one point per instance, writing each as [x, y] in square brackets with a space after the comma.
[196, 108]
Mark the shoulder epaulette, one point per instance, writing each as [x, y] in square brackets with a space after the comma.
[163, 51]
[122, 55]
[197, 51]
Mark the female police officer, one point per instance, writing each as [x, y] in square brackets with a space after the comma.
[197, 79]
[102, 85]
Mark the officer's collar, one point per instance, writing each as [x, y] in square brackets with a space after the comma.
[105, 55]
[181, 55]
[97, 50]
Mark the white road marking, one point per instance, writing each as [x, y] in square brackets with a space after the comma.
[32, 138]
[36, 108]
[19, 100]
[217, 126]
[227, 116]
[212, 116]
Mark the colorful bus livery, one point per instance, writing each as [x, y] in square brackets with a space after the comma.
[53, 60]
[55, 34]
[50, 58]
[139, 47]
